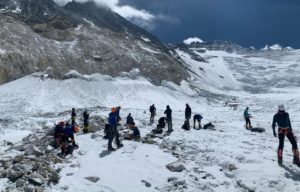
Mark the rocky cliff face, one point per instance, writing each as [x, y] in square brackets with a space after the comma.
[37, 34]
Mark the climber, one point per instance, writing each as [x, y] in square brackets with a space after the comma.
[282, 119]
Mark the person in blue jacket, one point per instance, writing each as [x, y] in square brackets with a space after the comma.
[247, 118]
[113, 131]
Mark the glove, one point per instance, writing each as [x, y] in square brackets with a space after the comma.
[275, 135]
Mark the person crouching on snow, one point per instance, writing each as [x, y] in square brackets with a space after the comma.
[135, 135]
[282, 119]
[198, 118]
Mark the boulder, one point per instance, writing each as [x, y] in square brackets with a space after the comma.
[14, 175]
[32, 150]
[176, 166]
[95, 135]
[92, 179]
[36, 179]
[147, 184]
[18, 159]
[20, 183]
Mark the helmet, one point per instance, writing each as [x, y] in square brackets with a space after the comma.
[281, 108]
[61, 123]
[76, 129]
[113, 109]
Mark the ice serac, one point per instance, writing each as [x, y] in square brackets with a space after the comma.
[37, 34]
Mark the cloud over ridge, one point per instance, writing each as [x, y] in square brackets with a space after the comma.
[141, 17]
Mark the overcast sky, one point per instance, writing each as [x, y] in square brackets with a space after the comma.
[247, 22]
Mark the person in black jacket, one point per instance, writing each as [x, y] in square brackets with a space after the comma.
[188, 115]
[152, 112]
[198, 118]
[282, 119]
[73, 116]
[86, 125]
[129, 120]
[168, 113]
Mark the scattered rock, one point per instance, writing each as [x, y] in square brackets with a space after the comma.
[32, 150]
[92, 179]
[232, 167]
[54, 178]
[49, 149]
[36, 179]
[172, 179]
[81, 153]
[65, 187]
[14, 175]
[20, 183]
[176, 166]
[147, 184]
[95, 136]
[18, 159]
[7, 165]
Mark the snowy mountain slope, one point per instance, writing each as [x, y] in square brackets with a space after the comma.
[206, 154]
[254, 71]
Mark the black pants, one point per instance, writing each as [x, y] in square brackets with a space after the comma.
[291, 138]
[152, 117]
[199, 122]
[187, 119]
[248, 122]
[169, 122]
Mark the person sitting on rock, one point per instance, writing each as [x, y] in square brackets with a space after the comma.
[135, 135]
[69, 140]
[198, 118]
[129, 120]
[58, 134]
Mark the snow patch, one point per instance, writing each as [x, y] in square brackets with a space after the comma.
[192, 40]
[145, 39]
[89, 22]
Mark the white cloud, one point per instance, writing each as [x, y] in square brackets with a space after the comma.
[144, 18]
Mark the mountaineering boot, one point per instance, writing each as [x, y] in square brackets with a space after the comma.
[111, 149]
[279, 155]
[120, 145]
[296, 159]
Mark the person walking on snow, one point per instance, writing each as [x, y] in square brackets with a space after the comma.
[168, 113]
[188, 115]
[282, 119]
[152, 112]
[112, 131]
[247, 118]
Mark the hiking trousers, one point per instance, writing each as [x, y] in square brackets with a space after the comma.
[289, 134]
[169, 122]
[248, 122]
